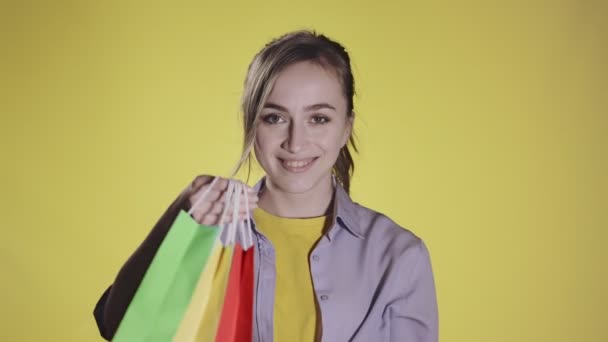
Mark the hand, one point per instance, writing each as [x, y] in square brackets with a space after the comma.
[209, 211]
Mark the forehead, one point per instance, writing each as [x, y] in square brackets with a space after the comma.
[306, 83]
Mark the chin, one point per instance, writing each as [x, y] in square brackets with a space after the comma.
[297, 183]
[293, 184]
[299, 187]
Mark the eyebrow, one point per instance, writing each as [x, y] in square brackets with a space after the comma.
[315, 106]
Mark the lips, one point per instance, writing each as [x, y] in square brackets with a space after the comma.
[297, 165]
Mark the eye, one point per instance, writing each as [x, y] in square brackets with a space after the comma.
[271, 119]
[320, 119]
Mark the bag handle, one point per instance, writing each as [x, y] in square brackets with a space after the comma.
[235, 227]
[203, 196]
[238, 230]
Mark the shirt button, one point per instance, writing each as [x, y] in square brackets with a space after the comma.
[315, 258]
[324, 297]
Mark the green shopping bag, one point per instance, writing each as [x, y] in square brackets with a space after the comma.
[165, 291]
[162, 298]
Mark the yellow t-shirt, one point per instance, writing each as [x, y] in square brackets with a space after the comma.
[295, 312]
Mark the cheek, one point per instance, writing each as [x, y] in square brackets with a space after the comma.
[333, 140]
[259, 148]
[264, 142]
[330, 148]
[261, 153]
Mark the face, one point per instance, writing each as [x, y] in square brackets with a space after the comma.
[302, 128]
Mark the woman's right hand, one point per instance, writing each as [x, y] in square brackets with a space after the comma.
[209, 211]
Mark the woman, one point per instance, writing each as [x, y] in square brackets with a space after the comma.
[326, 267]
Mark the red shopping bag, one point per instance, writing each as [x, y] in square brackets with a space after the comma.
[236, 322]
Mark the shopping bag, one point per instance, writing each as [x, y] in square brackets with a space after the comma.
[236, 322]
[221, 308]
[226, 315]
[165, 293]
[201, 319]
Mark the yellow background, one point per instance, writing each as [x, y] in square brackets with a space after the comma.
[482, 126]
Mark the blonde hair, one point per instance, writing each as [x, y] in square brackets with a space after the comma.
[263, 71]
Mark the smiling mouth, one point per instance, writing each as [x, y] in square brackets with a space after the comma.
[298, 166]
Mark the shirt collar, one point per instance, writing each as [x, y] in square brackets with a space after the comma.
[343, 206]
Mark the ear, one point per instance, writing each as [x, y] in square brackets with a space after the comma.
[350, 121]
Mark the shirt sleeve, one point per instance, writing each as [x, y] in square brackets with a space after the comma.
[113, 304]
[413, 313]
[98, 312]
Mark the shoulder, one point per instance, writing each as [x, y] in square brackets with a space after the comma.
[399, 249]
[382, 232]
[381, 237]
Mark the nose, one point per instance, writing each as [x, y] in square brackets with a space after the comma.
[296, 138]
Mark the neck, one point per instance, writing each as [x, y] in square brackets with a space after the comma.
[312, 203]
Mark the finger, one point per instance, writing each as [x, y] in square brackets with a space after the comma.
[244, 202]
[250, 198]
[250, 190]
[209, 220]
[197, 217]
[199, 181]
[228, 215]
[253, 197]
[211, 195]
[198, 206]
[230, 219]
[229, 212]
[214, 219]
[247, 188]
[216, 208]
[217, 205]
[205, 180]
[220, 191]
[250, 193]
[215, 198]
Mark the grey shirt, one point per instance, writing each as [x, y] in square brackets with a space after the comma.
[372, 279]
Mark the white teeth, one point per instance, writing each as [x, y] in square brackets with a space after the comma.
[296, 163]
